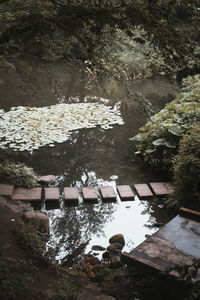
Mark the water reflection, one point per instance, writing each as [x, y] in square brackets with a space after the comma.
[72, 230]
[90, 156]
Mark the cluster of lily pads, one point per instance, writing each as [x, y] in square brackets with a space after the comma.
[29, 128]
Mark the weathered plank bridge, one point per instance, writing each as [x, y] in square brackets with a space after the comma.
[71, 195]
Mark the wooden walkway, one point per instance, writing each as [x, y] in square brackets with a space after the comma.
[176, 244]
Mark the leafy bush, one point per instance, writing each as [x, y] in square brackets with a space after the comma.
[187, 171]
[159, 139]
[18, 174]
[29, 236]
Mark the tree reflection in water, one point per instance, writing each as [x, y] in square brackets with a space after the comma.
[72, 228]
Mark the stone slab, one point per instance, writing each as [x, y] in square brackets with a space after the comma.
[46, 179]
[6, 190]
[27, 194]
[161, 188]
[176, 243]
[89, 194]
[108, 193]
[125, 192]
[143, 191]
[71, 194]
[52, 194]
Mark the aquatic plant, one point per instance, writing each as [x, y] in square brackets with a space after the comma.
[18, 174]
[29, 128]
[187, 171]
[159, 138]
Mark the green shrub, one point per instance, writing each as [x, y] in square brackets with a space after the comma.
[18, 174]
[30, 237]
[159, 139]
[187, 171]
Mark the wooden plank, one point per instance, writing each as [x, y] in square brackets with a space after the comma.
[125, 192]
[161, 188]
[71, 195]
[189, 212]
[108, 193]
[52, 194]
[143, 191]
[27, 194]
[6, 190]
[89, 194]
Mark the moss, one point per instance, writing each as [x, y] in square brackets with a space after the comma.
[187, 171]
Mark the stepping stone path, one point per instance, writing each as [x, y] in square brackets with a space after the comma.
[52, 194]
[27, 194]
[6, 190]
[71, 195]
[52, 197]
[89, 194]
[143, 190]
[108, 193]
[161, 188]
[125, 192]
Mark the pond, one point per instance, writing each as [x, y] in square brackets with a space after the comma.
[89, 157]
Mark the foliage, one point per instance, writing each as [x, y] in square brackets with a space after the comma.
[10, 281]
[29, 236]
[191, 82]
[188, 273]
[159, 138]
[187, 171]
[18, 174]
[82, 29]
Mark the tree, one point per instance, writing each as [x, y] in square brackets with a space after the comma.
[87, 26]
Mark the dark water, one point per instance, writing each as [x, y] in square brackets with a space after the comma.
[90, 156]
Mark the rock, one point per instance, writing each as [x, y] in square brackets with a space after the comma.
[91, 259]
[137, 153]
[117, 238]
[42, 218]
[106, 255]
[115, 246]
[115, 262]
[147, 236]
[98, 248]
[46, 179]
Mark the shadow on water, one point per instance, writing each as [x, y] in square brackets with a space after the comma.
[90, 156]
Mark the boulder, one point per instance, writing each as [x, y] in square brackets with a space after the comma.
[115, 262]
[117, 238]
[115, 246]
[106, 255]
[46, 179]
[98, 248]
[40, 217]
